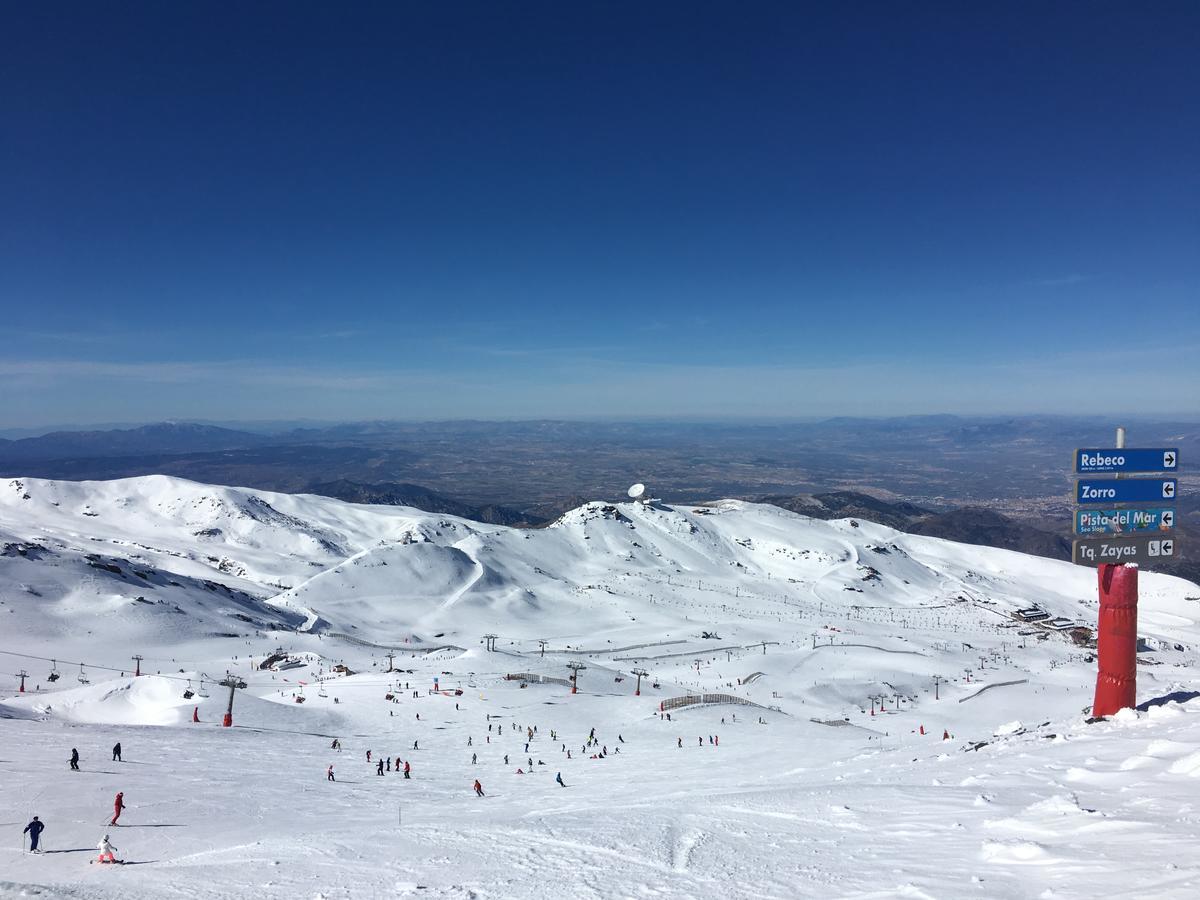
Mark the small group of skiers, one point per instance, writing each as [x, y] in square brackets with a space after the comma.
[36, 826]
[116, 755]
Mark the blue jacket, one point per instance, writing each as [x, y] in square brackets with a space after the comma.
[34, 829]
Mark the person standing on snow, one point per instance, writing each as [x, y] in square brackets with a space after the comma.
[34, 830]
[74, 759]
[558, 778]
[329, 774]
[117, 752]
[106, 851]
[118, 805]
[473, 759]
[368, 756]
[479, 789]
[379, 768]
[407, 769]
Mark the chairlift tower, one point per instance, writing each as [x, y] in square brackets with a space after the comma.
[22, 675]
[543, 643]
[137, 663]
[233, 683]
[640, 673]
[490, 642]
[576, 668]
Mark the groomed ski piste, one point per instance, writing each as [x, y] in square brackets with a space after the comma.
[878, 723]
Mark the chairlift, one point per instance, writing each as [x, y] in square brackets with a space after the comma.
[202, 692]
[53, 676]
[83, 679]
[188, 693]
[321, 691]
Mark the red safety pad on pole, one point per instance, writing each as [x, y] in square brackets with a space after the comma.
[1116, 680]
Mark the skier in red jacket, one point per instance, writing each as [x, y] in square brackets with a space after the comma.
[478, 788]
[118, 805]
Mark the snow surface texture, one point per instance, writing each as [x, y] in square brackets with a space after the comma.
[804, 794]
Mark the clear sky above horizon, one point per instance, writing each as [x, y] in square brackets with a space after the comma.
[279, 210]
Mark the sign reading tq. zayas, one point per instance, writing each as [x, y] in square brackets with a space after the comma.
[1123, 550]
[1096, 522]
[1121, 460]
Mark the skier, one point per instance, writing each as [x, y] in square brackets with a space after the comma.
[473, 759]
[117, 752]
[34, 830]
[379, 768]
[329, 774]
[106, 851]
[415, 745]
[407, 769]
[74, 759]
[118, 805]
[389, 764]
[679, 742]
[368, 756]
[506, 759]
[469, 741]
[558, 778]
[478, 789]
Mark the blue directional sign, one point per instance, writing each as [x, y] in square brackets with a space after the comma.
[1097, 522]
[1125, 490]
[1131, 460]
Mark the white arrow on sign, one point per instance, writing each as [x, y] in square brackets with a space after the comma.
[1168, 489]
[1167, 547]
[1168, 518]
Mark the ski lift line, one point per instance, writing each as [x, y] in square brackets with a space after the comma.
[264, 684]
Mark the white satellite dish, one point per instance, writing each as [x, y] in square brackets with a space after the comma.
[637, 492]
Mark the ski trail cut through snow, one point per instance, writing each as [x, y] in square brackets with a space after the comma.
[457, 595]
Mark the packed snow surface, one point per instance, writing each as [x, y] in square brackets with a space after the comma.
[854, 712]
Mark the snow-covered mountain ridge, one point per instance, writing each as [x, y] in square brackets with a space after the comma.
[835, 656]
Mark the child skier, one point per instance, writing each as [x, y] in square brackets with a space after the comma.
[106, 851]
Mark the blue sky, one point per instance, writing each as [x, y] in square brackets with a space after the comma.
[519, 210]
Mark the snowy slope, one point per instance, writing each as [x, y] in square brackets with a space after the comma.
[853, 647]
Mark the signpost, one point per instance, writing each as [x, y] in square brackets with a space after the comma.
[1115, 536]
[1135, 460]
[1128, 490]
[1141, 549]
[1108, 522]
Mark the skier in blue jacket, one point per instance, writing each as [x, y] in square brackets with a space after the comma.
[34, 829]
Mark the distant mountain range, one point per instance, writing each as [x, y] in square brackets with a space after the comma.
[952, 477]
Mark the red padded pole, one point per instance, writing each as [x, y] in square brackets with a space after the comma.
[1116, 680]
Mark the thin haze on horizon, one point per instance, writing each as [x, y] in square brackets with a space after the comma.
[473, 210]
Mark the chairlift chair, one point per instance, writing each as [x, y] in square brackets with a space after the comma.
[83, 679]
[53, 676]
[321, 691]
[188, 693]
[202, 692]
